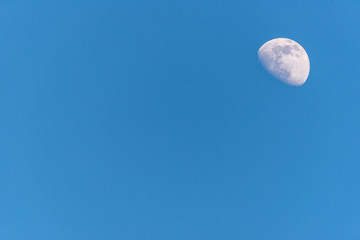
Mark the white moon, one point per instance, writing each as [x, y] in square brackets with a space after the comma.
[286, 60]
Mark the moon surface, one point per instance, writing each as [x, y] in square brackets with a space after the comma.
[286, 60]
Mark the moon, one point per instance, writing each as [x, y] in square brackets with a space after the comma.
[286, 60]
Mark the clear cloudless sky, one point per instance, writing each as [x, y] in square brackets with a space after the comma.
[139, 120]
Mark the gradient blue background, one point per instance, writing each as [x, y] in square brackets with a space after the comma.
[138, 120]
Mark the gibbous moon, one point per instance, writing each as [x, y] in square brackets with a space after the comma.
[286, 60]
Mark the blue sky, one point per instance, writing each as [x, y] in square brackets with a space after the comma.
[155, 120]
